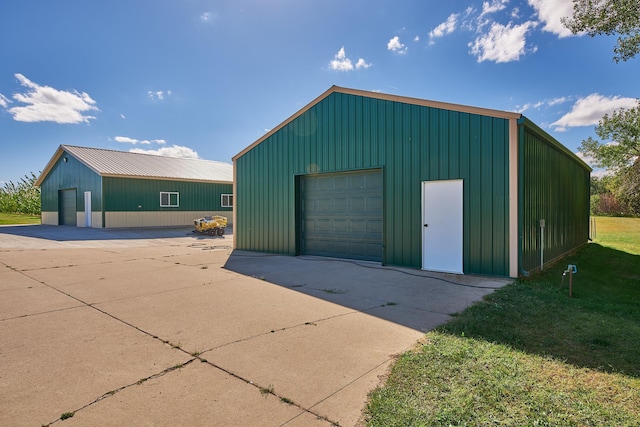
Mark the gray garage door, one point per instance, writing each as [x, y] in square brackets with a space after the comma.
[342, 215]
[67, 213]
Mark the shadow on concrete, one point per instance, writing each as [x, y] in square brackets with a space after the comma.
[416, 299]
[67, 233]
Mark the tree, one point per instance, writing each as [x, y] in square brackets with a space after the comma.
[628, 190]
[609, 17]
[622, 128]
[621, 155]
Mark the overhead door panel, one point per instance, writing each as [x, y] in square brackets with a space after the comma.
[68, 210]
[342, 215]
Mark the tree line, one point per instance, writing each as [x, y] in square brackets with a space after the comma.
[21, 197]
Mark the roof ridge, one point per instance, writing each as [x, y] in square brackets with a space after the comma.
[64, 146]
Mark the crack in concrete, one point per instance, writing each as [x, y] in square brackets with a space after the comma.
[22, 316]
[124, 387]
[196, 357]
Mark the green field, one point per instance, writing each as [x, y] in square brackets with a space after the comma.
[530, 355]
[8, 219]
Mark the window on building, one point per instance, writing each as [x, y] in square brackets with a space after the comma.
[169, 199]
[227, 201]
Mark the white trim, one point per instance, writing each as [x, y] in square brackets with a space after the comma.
[169, 204]
[235, 200]
[228, 197]
[513, 198]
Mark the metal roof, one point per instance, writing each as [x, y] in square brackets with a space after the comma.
[114, 163]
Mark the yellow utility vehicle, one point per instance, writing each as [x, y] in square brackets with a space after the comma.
[212, 225]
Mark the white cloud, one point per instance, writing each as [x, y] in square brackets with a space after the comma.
[173, 151]
[557, 101]
[394, 45]
[122, 116]
[589, 110]
[444, 28]
[503, 43]
[340, 62]
[46, 104]
[4, 101]
[551, 13]
[362, 64]
[158, 95]
[528, 106]
[133, 141]
[539, 104]
[416, 39]
[126, 140]
[493, 7]
[205, 17]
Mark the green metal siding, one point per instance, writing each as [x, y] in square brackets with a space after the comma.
[412, 144]
[67, 175]
[553, 187]
[129, 194]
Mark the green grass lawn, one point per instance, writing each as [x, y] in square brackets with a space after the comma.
[9, 218]
[529, 355]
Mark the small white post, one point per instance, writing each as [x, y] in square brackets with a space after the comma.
[541, 244]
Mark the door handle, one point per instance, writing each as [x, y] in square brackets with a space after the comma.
[426, 225]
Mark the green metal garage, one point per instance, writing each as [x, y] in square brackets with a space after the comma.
[91, 187]
[411, 182]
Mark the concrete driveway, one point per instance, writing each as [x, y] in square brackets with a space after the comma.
[163, 328]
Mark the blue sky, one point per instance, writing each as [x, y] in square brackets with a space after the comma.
[205, 79]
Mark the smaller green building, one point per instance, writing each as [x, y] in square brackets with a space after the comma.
[91, 187]
[411, 182]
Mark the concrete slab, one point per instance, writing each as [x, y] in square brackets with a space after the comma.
[107, 323]
[347, 403]
[11, 280]
[36, 259]
[60, 361]
[33, 300]
[107, 282]
[419, 299]
[311, 363]
[232, 309]
[197, 394]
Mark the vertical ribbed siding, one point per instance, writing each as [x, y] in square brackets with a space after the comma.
[411, 144]
[143, 195]
[554, 187]
[66, 175]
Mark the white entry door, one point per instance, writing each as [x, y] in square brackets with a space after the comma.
[442, 226]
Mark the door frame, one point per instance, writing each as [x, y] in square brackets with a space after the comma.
[452, 198]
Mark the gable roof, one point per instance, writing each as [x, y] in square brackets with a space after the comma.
[395, 98]
[122, 164]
